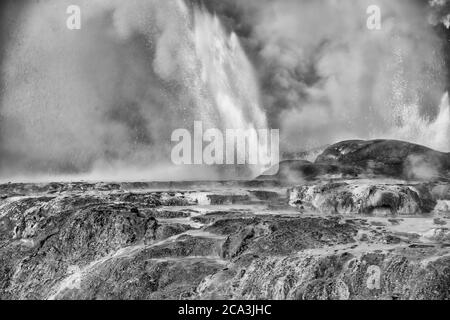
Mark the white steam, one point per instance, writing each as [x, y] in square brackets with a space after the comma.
[327, 77]
[107, 97]
[103, 101]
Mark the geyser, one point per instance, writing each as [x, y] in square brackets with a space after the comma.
[109, 95]
[103, 101]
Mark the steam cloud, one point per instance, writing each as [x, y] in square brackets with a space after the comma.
[104, 100]
[326, 77]
[107, 97]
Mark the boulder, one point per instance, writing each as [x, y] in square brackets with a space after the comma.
[362, 198]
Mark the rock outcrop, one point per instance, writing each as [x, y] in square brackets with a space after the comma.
[368, 159]
[389, 158]
[363, 198]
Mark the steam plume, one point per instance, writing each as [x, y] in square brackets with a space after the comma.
[106, 98]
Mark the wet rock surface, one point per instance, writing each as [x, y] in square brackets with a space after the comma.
[370, 233]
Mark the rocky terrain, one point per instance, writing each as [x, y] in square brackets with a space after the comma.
[366, 220]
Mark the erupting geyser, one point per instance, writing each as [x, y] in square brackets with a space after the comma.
[108, 96]
[103, 101]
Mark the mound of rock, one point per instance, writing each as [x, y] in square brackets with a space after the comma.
[362, 198]
[389, 157]
[373, 158]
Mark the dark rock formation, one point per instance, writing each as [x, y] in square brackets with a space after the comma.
[359, 158]
[292, 171]
[389, 158]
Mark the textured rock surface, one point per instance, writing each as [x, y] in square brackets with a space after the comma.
[352, 225]
[95, 241]
[345, 275]
[363, 197]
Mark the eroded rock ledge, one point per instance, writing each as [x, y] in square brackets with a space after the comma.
[357, 197]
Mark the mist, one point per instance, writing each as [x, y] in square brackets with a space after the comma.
[101, 102]
[325, 77]
[107, 97]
